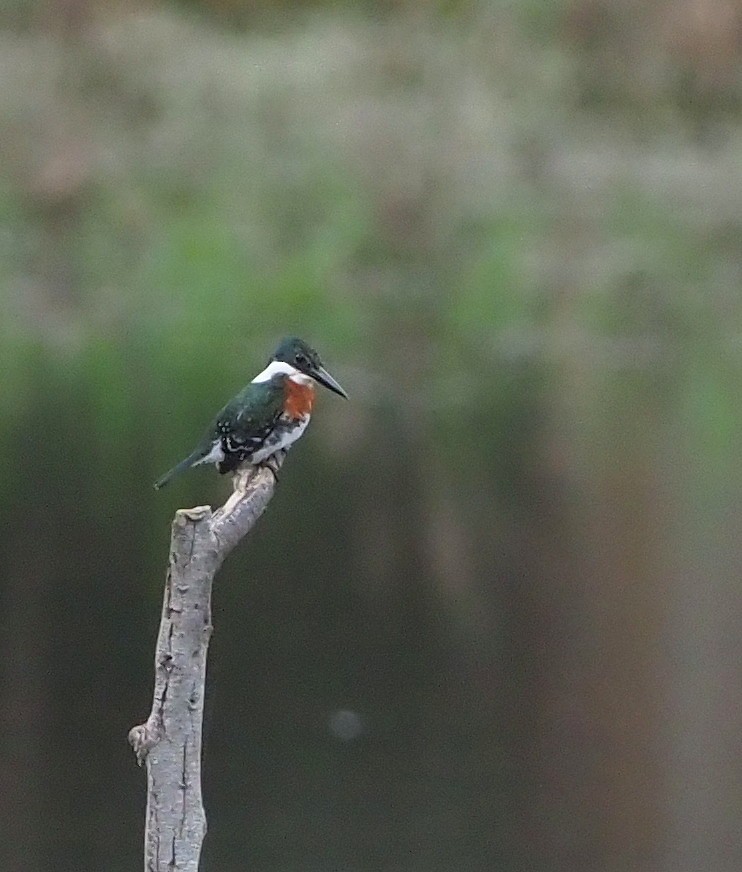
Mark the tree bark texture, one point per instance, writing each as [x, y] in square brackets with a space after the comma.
[169, 742]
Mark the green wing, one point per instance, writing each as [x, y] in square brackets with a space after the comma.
[251, 414]
[241, 427]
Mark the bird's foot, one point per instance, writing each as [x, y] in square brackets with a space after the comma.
[274, 463]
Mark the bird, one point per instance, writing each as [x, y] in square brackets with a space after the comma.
[265, 417]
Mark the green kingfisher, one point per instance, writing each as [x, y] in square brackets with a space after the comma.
[265, 417]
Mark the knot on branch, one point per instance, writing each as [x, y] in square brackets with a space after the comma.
[197, 513]
[143, 739]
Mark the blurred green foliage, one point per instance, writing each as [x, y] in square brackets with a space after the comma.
[512, 231]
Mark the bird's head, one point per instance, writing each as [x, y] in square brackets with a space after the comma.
[298, 354]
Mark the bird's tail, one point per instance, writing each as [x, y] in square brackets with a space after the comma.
[181, 467]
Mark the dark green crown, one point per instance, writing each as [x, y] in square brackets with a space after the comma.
[296, 352]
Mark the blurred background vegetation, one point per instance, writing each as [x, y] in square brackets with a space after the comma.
[491, 619]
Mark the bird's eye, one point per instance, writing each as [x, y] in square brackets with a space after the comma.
[302, 360]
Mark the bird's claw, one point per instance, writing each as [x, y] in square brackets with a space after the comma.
[274, 463]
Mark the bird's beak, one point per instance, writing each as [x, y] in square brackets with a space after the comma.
[324, 378]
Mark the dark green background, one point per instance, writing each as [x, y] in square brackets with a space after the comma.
[513, 232]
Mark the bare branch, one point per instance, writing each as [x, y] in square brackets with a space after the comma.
[170, 739]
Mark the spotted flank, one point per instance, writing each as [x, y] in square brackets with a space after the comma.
[282, 438]
[240, 445]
